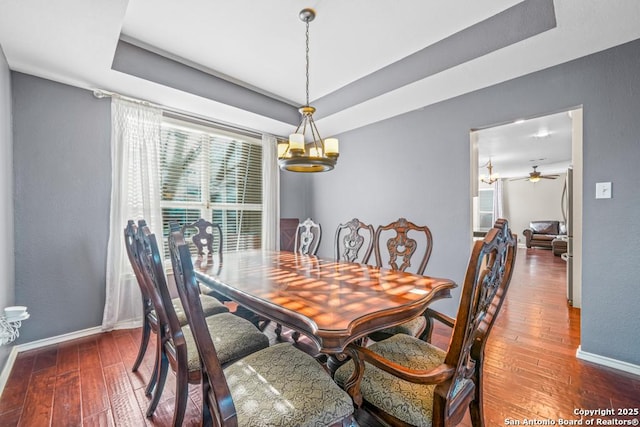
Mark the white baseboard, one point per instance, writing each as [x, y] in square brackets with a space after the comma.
[608, 362]
[58, 339]
[6, 370]
[8, 365]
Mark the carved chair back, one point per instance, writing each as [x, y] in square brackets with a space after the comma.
[151, 262]
[350, 241]
[404, 239]
[485, 286]
[172, 347]
[149, 319]
[131, 244]
[206, 237]
[308, 234]
[217, 400]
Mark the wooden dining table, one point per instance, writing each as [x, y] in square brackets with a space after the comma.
[333, 303]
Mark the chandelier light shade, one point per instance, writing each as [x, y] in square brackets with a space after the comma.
[493, 177]
[298, 155]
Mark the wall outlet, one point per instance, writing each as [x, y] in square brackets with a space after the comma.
[603, 190]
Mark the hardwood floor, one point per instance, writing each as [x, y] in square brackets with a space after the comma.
[531, 369]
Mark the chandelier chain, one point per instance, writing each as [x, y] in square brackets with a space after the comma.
[307, 58]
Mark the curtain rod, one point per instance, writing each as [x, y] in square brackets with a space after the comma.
[180, 114]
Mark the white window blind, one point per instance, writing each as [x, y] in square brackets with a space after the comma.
[212, 174]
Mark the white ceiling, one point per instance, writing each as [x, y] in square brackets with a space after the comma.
[260, 44]
[349, 39]
[514, 148]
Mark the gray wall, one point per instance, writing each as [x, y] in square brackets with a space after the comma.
[7, 292]
[62, 189]
[418, 165]
[300, 185]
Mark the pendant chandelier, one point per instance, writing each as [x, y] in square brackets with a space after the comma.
[321, 155]
[493, 177]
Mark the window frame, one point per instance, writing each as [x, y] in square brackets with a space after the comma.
[480, 212]
[204, 205]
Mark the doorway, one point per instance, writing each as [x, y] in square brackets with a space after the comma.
[519, 171]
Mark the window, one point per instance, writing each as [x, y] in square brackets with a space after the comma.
[485, 209]
[212, 174]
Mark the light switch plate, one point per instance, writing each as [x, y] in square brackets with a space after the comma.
[603, 190]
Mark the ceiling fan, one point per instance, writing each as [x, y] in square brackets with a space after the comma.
[535, 176]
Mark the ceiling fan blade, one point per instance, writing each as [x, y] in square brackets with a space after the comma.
[518, 179]
[548, 176]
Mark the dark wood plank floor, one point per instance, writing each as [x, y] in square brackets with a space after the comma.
[531, 369]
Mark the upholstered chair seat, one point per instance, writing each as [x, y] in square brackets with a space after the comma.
[409, 402]
[282, 386]
[413, 327]
[233, 336]
[210, 306]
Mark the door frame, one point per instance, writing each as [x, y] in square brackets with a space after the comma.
[576, 114]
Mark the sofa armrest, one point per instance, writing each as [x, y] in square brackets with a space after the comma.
[528, 233]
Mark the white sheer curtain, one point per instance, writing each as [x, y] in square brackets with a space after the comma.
[135, 194]
[498, 199]
[270, 193]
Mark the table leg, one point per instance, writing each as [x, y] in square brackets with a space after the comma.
[352, 385]
[334, 361]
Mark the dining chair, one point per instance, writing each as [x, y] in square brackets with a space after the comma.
[396, 245]
[207, 237]
[398, 251]
[408, 381]
[149, 316]
[308, 235]
[235, 337]
[276, 386]
[349, 241]
[307, 240]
